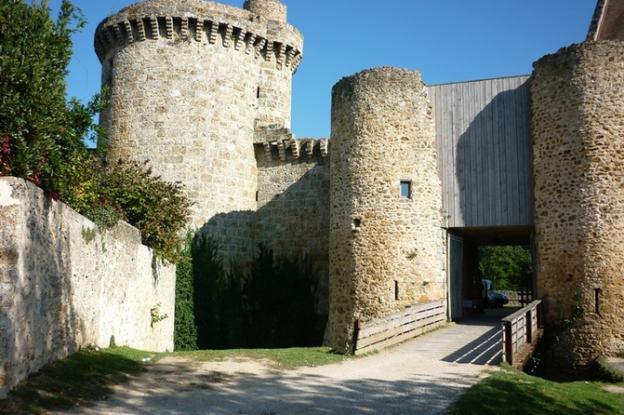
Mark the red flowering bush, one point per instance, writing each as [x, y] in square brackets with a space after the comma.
[5, 155]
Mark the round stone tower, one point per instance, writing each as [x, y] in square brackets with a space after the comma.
[578, 132]
[386, 242]
[190, 81]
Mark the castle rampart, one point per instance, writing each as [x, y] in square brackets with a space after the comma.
[386, 244]
[578, 132]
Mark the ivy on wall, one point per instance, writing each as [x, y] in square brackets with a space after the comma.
[270, 303]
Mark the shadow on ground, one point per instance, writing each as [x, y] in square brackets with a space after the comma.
[488, 348]
[82, 378]
[171, 390]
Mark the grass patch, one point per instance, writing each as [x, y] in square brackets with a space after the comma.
[83, 377]
[284, 358]
[511, 392]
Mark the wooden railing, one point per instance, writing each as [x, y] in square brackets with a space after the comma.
[518, 298]
[411, 322]
[521, 331]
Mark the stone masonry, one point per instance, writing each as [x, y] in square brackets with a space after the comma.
[386, 250]
[190, 81]
[202, 91]
[64, 284]
[578, 132]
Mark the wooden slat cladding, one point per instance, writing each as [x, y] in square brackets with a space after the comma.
[409, 323]
[484, 152]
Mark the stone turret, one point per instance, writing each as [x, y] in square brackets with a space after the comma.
[386, 241]
[578, 134]
[269, 9]
[190, 81]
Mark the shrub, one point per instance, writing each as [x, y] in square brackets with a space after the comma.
[41, 133]
[157, 208]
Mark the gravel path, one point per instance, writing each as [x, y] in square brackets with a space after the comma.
[423, 376]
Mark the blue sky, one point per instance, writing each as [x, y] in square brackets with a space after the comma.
[447, 40]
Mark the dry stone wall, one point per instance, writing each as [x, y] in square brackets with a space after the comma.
[386, 252]
[578, 130]
[64, 285]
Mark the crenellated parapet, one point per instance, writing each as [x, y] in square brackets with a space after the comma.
[208, 23]
[279, 143]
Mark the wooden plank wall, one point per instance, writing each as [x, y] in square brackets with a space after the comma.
[484, 152]
[399, 327]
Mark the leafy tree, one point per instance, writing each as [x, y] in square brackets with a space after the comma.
[509, 267]
[41, 134]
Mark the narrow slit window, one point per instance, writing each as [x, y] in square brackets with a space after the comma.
[597, 292]
[258, 92]
[396, 290]
[406, 189]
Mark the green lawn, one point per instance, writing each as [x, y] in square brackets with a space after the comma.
[511, 392]
[88, 375]
[83, 377]
[284, 358]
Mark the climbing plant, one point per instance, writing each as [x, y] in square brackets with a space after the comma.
[185, 330]
[268, 303]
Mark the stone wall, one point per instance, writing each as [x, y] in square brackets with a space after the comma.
[189, 82]
[293, 206]
[386, 252]
[64, 284]
[578, 130]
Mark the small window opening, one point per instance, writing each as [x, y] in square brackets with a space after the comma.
[406, 189]
[597, 293]
[357, 223]
[258, 92]
[396, 290]
[257, 196]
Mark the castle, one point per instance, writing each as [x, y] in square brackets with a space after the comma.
[414, 178]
